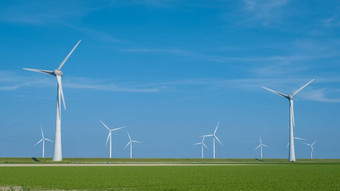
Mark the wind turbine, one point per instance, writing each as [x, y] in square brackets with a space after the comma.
[43, 139]
[291, 117]
[311, 149]
[214, 137]
[109, 136]
[57, 156]
[202, 145]
[130, 143]
[260, 146]
[296, 138]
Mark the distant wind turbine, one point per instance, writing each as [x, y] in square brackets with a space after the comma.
[109, 136]
[130, 143]
[291, 156]
[202, 145]
[57, 156]
[43, 139]
[260, 146]
[311, 149]
[214, 137]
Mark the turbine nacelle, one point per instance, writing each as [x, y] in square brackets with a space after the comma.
[58, 72]
[290, 97]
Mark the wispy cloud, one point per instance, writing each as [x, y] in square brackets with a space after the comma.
[10, 81]
[57, 13]
[322, 95]
[265, 10]
[333, 21]
[217, 58]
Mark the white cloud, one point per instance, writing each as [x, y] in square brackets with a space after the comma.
[10, 81]
[322, 95]
[265, 10]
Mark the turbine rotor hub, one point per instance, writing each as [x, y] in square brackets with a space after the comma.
[290, 97]
[58, 72]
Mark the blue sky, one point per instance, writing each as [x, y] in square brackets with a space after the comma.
[170, 70]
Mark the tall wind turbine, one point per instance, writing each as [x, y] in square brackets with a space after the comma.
[57, 156]
[43, 139]
[109, 136]
[291, 117]
[214, 137]
[130, 143]
[311, 149]
[202, 145]
[260, 146]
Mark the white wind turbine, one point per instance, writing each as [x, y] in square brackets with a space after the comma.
[130, 143]
[43, 139]
[260, 146]
[202, 145]
[214, 137]
[311, 149]
[109, 136]
[291, 117]
[296, 138]
[57, 156]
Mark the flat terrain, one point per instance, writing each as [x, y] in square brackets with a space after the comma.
[156, 160]
[184, 174]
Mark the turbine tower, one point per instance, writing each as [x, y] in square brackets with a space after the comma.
[311, 149]
[43, 139]
[214, 137]
[57, 156]
[109, 136]
[202, 145]
[291, 156]
[260, 146]
[130, 143]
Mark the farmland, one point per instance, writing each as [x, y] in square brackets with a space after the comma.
[230, 174]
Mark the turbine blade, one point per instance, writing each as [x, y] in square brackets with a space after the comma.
[314, 142]
[258, 146]
[265, 145]
[218, 124]
[298, 90]
[293, 115]
[40, 71]
[61, 90]
[117, 128]
[108, 136]
[135, 141]
[287, 145]
[129, 135]
[211, 135]
[196, 143]
[127, 145]
[260, 140]
[205, 145]
[42, 133]
[218, 139]
[307, 144]
[312, 148]
[48, 140]
[69, 54]
[298, 138]
[37, 142]
[276, 92]
[104, 125]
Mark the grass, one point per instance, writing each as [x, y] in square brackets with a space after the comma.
[242, 177]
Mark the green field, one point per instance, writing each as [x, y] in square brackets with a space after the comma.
[322, 175]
